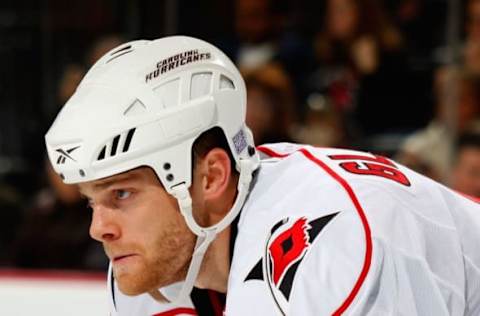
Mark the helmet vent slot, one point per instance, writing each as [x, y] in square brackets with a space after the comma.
[126, 145]
[102, 153]
[113, 148]
[113, 151]
[120, 52]
[169, 92]
[121, 49]
[200, 85]
[226, 83]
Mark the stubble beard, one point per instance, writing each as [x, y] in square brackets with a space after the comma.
[156, 269]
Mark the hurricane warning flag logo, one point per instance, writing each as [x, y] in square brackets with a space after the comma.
[286, 247]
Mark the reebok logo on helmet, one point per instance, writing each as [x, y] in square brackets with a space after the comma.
[64, 154]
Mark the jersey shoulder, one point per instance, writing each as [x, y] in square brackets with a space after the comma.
[351, 167]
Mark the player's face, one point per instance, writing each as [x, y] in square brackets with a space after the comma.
[141, 228]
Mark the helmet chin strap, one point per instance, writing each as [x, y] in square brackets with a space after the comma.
[205, 235]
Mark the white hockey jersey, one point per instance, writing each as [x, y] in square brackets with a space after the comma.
[340, 232]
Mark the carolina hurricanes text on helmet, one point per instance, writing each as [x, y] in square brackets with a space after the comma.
[174, 61]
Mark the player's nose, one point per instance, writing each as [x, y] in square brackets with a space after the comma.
[103, 226]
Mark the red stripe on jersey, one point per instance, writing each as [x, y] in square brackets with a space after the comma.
[368, 237]
[178, 311]
[470, 197]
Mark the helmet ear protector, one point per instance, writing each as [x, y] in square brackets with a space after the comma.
[145, 103]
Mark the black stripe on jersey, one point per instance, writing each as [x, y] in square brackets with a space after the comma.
[202, 301]
[318, 224]
[256, 273]
[287, 282]
[112, 286]
[277, 225]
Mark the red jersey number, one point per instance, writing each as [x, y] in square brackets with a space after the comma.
[374, 166]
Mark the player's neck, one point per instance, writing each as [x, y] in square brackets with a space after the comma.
[216, 264]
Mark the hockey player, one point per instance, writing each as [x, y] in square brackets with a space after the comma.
[155, 137]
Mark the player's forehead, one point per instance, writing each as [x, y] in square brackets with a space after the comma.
[130, 176]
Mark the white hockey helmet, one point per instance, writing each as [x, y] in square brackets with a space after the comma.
[144, 103]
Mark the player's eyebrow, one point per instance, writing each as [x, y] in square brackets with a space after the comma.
[104, 184]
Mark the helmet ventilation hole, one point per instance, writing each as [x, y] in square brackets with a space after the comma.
[169, 92]
[200, 85]
[121, 49]
[128, 140]
[226, 83]
[120, 52]
[102, 153]
[113, 151]
[115, 145]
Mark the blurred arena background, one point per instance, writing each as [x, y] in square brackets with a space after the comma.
[396, 77]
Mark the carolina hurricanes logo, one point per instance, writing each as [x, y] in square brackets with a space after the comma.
[287, 246]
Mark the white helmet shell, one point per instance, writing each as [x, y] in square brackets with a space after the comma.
[143, 104]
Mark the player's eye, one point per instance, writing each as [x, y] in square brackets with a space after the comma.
[122, 194]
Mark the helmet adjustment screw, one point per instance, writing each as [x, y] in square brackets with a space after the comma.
[81, 172]
[251, 150]
[170, 177]
[167, 166]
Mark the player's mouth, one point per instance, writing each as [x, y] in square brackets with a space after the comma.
[123, 258]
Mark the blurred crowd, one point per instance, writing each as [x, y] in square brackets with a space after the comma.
[376, 76]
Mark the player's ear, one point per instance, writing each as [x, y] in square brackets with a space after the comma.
[214, 170]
